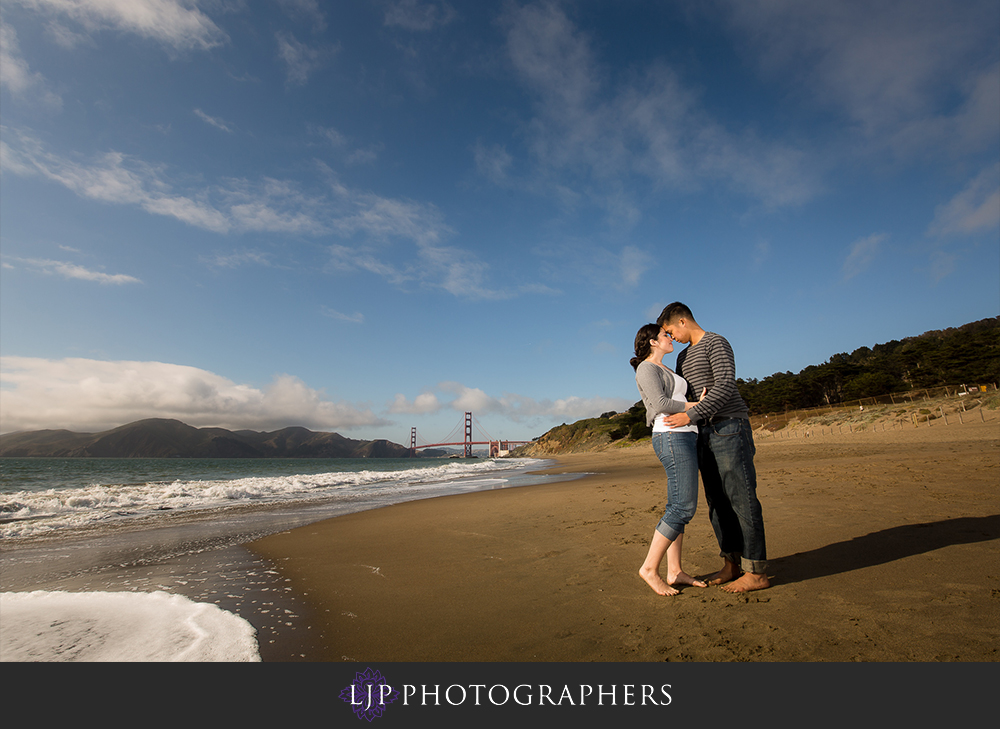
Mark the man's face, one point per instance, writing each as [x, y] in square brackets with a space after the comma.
[678, 330]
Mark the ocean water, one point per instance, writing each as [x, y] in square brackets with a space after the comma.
[40, 496]
[151, 549]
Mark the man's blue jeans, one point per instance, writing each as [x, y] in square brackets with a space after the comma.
[678, 452]
[725, 457]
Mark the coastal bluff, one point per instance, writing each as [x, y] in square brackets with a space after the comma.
[163, 438]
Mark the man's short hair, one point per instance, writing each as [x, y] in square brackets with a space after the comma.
[673, 312]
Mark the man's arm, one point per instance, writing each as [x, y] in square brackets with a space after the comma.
[723, 364]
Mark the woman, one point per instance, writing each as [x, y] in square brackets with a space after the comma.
[663, 393]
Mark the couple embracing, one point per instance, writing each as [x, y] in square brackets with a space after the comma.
[712, 435]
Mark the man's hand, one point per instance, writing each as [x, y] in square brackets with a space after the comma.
[678, 419]
[689, 405]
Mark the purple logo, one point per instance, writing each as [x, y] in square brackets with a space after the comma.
[369, 694]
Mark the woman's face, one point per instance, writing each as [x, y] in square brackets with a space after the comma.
[662, 343]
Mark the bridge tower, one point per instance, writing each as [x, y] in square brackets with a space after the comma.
[413, 441]
[468, 435]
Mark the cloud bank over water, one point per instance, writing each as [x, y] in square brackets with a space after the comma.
[88, 395]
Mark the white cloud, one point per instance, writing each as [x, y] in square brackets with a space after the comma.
[234, 205]
[423, 404]
[417, 15]
[454, 270]
[517, 408]
[355, 318]
[174, 23]
[492, 162]
[373, 222]
[347, 258]
[975, 209]
[366, 155]
[894, 68]
[650, 125]
[602, 267]
[330, 134]
[213, 120]
[382, 217]
[554, 59]
[352, 155]
[17, 77]
[469, 399]
[457, 271]
[92, 395]
[862, 254]
[112, 178]
[87, 395]
[74, 271]
[634, 262]
[301, 60]
[942, 265]
[239, 258]
[273, 206]
[568, 409]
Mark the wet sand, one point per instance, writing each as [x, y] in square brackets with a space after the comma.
[884, 546]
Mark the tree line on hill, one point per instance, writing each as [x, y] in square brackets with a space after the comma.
[969, 354]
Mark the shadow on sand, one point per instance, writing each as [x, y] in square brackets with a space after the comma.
[882, 547]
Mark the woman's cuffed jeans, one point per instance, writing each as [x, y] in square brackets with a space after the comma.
[678, 452]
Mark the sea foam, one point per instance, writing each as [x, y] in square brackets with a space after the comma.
[31, 512]
[43, 626]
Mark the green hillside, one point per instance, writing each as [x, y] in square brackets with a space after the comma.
[967, 355]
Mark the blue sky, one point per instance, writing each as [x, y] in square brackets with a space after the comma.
[375, 215]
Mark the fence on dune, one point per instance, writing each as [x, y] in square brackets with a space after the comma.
[951, 404]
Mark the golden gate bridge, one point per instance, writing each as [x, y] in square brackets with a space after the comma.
[497, 447]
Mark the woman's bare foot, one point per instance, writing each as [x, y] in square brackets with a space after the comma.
[683, 578]
[653, 579]
[728, 573]
[749, 582]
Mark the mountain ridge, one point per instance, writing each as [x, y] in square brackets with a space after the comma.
[169, 438]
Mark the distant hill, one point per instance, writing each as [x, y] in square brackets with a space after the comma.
[161, 438]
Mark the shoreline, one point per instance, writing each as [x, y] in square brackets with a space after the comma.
[202, 555]
[883, 547]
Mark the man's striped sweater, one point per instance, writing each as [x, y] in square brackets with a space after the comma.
[710, 363]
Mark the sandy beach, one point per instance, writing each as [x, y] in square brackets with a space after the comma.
[884, 546]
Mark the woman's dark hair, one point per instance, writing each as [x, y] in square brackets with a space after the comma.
[642, 338]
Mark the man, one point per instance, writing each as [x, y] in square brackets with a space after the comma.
[725, 450]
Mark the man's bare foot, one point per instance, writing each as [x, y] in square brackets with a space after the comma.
[728, 573]
[653, 579]
[749, 582]
[683, 578]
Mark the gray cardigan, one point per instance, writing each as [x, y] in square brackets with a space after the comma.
[656, 385]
